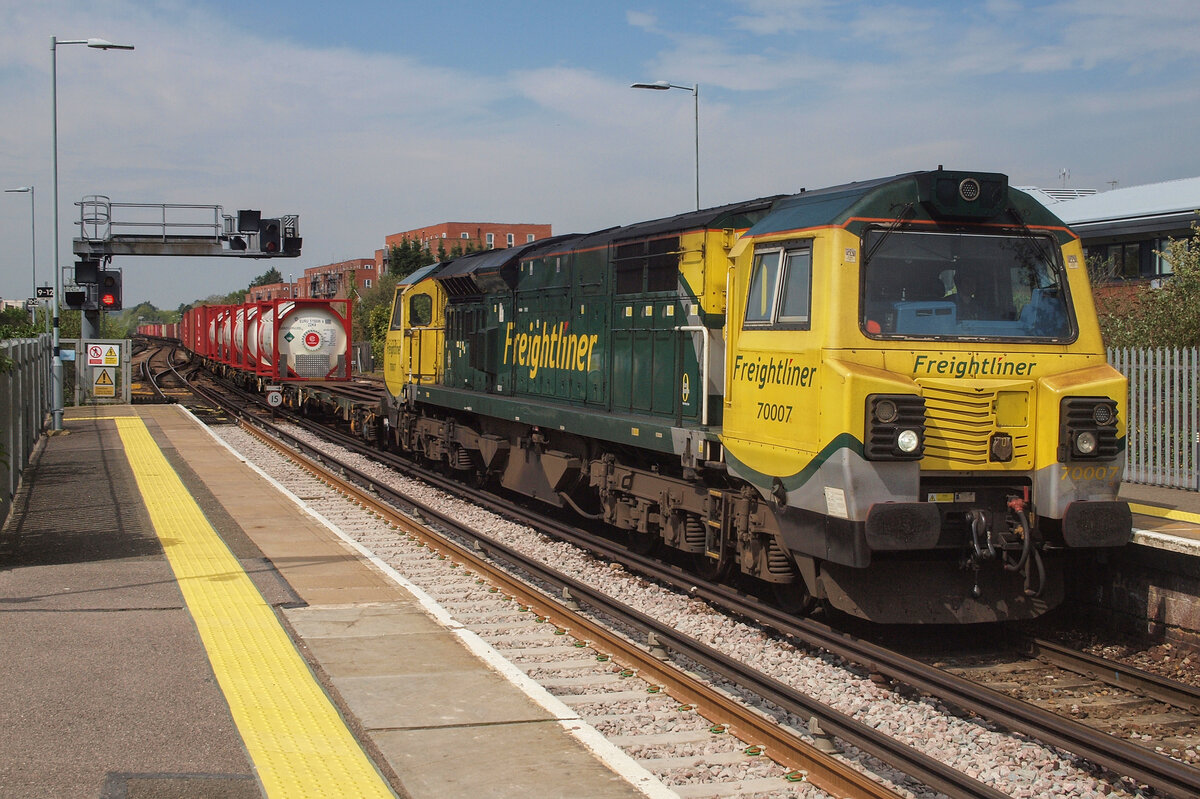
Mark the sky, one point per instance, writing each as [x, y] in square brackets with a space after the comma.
[374, 117]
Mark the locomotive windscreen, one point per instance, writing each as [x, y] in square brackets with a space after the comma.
[969, 286]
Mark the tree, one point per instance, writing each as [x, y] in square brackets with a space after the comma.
[14, 323]
[373, 315]
[268, 277]
[459, 249]
[407, 257]
[1164, 317]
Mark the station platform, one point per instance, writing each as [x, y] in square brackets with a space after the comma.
[1164, 518]
[173, 626]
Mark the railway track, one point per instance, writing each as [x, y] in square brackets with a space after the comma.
[157, 375]
[1110, 697]
[1166, 776]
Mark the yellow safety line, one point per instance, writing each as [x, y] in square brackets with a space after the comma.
[1165, 513]
[299, 743]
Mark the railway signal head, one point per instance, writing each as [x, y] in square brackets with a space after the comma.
[109, 293]
[270, 234]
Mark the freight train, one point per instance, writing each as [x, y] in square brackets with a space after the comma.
[890, 396]
[281, 341]
[163, 330]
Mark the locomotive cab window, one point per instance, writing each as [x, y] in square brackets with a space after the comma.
[780, 288]
[397, 311]
[420, 310]
[964, 285]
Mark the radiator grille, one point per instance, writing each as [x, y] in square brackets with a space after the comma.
[960, 422]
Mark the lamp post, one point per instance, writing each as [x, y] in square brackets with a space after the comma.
[98, 44]
[663, 85]
[32, 237]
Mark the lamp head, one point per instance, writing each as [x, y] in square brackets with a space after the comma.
[105, 44]
[661, 85]
[20, 189]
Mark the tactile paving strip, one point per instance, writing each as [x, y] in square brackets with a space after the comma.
[298, 741]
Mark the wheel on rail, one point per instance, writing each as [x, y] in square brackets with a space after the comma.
[794, 597]
[714, 570]
[642, 543]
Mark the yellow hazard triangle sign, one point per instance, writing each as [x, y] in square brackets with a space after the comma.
[103, 379]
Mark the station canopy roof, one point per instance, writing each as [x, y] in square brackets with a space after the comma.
[1166, 206]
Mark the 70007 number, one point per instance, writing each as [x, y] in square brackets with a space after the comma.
[774, 413]
[1089, 472]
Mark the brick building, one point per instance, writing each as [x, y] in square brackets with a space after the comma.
[271, 291]
[482, 235]
[334, 280]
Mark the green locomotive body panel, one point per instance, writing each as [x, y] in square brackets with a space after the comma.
[616, 322]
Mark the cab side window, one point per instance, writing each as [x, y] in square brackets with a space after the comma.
[797, 288]
[780, 288]
[397, 311]
[420, 310]
[764, 280]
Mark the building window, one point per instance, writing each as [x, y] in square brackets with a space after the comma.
[491, 240]
[367, 283]
[1126, 258]
[528, 237]
[511, 239]
[463, 236]
[1163, 266]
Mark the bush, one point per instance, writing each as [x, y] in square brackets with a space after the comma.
[1164, 317]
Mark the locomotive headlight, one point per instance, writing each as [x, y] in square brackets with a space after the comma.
[886, 411]
[1085, 442]
[908, 441]
[1088, 428]
[894, 427]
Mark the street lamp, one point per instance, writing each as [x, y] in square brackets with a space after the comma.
[32, 236]
[98, 44]
[663, 85]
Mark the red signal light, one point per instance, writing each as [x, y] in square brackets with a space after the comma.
[108, 300]
[269, 236]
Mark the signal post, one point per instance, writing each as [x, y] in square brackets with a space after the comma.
[176, 230]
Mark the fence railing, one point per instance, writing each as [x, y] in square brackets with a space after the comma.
[24, 403]
[1163, 447]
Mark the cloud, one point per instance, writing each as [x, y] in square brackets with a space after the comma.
[774, 17]
[643, 20]
[363, 143]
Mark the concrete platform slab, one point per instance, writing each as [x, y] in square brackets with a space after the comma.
[499, 761]
[456, 699]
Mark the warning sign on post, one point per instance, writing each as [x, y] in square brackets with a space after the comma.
[103, 355]
[104, 383]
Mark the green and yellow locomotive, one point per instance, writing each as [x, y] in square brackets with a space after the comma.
[889, 395]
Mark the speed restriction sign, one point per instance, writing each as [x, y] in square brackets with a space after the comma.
[274, 399]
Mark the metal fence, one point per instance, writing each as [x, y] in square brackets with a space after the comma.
[24, 403]
[1163, 447]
